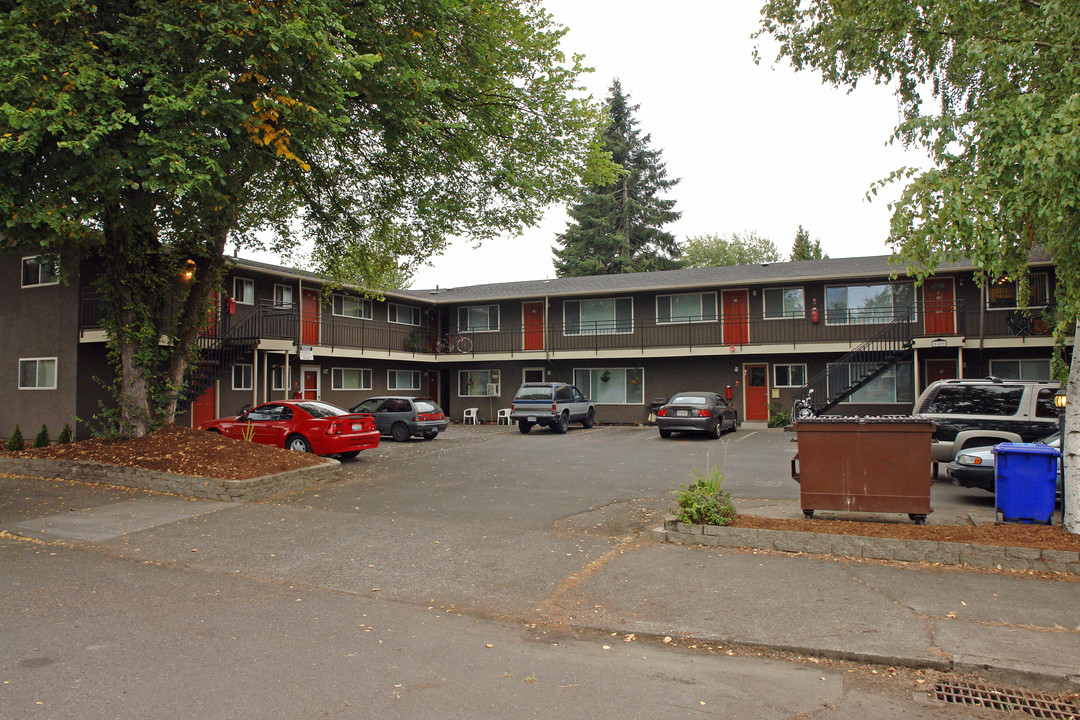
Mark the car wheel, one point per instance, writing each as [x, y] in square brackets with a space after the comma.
[214, 430]
[298, 443]
[718, 431]
[524, 426]
[430, 435]
[348, 455]
[665, 433]
[590, 419]
[559, 426]
[400, 432]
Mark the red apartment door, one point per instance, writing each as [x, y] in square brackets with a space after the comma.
[309, 317]
[939, 370]
[533, 314]
[736, 317]
[309, 383]
[757, 392]
[204, 409]
[938, 301]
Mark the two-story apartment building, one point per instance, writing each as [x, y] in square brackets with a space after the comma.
[761, 333]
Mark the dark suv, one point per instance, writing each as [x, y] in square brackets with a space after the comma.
[552, 404]
[970, 413]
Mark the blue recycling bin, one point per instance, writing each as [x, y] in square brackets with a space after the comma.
[1025, 480]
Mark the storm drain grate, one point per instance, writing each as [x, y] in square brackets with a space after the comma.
[1036, 704]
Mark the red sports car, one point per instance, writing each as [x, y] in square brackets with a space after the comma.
[304, 425]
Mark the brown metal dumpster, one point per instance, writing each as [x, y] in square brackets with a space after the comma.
[871, 464]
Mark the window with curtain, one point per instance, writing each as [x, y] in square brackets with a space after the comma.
[612, 386]
[479, 318]
[784, 303]
[598, 317]
[859, 304]
[686, 307]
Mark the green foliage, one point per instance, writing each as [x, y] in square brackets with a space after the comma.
[778, 416]
[42, 438]
[65, 435]
[616, 222]
[15, 441]
[148, 133]
[746, 248]
[703, 502]
[803, 249]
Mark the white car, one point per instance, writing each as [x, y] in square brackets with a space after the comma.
[974, 467]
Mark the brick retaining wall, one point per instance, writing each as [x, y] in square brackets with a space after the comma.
[201, 487]
[945, 553]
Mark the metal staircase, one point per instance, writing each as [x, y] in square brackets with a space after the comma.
[221, 344]
[853, 371]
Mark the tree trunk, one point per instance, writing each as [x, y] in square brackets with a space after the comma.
[1070, 453]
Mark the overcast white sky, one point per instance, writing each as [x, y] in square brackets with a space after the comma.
[756, 147]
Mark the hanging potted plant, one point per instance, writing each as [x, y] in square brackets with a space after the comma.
[605, 376]
[634, 378]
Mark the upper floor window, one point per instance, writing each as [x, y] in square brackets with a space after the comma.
[686, 307]
[478, 318]
[403, 314]
[37, 374]
[354, 307]
[1003, 295]
[244, 291]
[38, 270]
[858, 304]
[283, 296]
[784, 303]
[598, 317]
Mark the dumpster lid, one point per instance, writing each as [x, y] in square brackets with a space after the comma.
[869, 419]
[1007, 448]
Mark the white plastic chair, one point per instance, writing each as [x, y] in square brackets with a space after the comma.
[504, 416]
[470, 416]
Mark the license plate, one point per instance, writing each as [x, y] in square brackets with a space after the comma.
[357, 427]
[682, 413]
[532, 419]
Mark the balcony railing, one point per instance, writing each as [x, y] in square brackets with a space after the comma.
[854, 327]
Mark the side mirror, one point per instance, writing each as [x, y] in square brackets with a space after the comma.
[244, 410]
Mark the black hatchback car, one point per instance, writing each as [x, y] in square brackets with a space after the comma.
[404, 417]
[700, 412]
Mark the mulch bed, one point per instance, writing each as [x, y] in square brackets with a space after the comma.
[183, 451]
[1006, 534]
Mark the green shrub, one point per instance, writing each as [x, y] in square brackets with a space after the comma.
[778, 417]
[16, 442]
[65, 435]
[703, 502]
[42, 439]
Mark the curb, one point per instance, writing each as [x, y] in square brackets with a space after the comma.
[188, 485]
[998, 557]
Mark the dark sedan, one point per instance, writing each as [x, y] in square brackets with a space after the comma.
[304, 425]
[700, 412]
[404, 417]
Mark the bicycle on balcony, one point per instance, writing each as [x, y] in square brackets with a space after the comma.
[454, 343]
[1023, 323]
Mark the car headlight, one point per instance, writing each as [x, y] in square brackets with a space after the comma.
[968, 460]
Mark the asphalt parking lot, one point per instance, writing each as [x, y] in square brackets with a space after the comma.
[497, 475]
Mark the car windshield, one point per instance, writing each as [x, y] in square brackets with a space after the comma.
[1053, 439]
[426, 406]
[687, 400]
[534, 393]
[321, 409]
[369, 405]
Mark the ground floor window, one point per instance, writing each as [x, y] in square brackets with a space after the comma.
[350, 379]
[37, 374]
[789, 375]
[277, 377]
[612, 386]
[478, 383]
[895, 385]
[241, 376]
[403, 379]
[1020, 369]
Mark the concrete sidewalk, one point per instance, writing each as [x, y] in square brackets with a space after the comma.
[1012, 627]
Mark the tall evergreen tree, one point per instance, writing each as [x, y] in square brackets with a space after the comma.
[616, 228]
[803, 249]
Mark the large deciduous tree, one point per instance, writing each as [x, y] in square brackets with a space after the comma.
[617, 226]
[991, 90]
[711, 250]
[148, 133]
